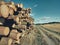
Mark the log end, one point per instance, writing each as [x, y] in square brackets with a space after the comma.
[6, 31]
[10, 41]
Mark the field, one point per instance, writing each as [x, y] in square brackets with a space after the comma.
[50, 34]
[53, 27]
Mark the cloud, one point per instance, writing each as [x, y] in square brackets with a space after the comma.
[32, 14]
[35, 5]
[45, 18]
[42, 19]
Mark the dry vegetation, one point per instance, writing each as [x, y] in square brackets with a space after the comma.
[53, 27]
[36, 38]
[51, 33]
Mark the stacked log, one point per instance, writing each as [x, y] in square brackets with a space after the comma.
[19, 26]
[12, 5]
[11, 11]
[14, 21]
[4, 10]
[6, 41]
[16, 41]
[14, 35]
[23, 22]
[0, 11]
[4, 30]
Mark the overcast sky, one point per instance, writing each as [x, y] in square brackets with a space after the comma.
[43, 11]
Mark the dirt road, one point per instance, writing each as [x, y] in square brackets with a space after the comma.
[50, 38]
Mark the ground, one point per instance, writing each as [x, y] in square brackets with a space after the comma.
[48, 34]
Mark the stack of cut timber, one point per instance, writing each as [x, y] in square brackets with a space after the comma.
[14, 21]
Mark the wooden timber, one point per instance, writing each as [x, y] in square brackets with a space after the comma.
[14, 35]
[6, 41]
[4, 30]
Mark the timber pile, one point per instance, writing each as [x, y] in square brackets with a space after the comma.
[14, 21]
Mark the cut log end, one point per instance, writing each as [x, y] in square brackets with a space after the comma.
[15, 35]
[6, 31]
[18, 35]
[6, 41]
[10, 42]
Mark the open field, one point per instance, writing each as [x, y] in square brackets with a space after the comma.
[50, 33]
[53, 27]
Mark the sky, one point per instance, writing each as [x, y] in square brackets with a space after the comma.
[43, 11]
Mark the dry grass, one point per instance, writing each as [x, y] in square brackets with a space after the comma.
[28, 39]
[53, 27]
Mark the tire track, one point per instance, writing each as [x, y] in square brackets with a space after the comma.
[51, 30]
[51, 33]
[46, 38]
[57, 42]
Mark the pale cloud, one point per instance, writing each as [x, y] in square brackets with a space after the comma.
[35, 5]
[32, 14]
[45, 18]
[42, 19]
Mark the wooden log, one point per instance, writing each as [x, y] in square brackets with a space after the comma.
[13, 25]
[0, 12]
[16, 42]
[12, 5]
[27, 15]
[4, 11]
[19, 26]
[22, 26]
[14, 35]
[11, 17]
[4, 30]
[28, 10]
[6, 41]
[16, 18]
[14, 30]
[20, 5]
[19, 15]
[23, 23]
[22, 12]
[23, 17]
[11, 11]
[23, 33]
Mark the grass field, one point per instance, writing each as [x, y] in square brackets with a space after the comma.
[53, 27]
[50, 33]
